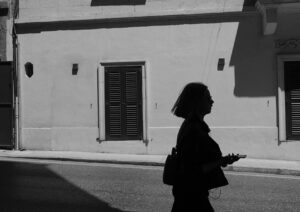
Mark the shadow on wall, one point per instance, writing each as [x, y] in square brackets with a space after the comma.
[255, 74]
[34, 187]
[253, 59]
[117, 2]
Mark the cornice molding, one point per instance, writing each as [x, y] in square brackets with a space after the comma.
[151, 14]
[278, 2]
[290, 43]
[269, 16]
[24, 27]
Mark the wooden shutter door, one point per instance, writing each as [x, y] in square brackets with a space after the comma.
[123, 103]
[6, 105]
[292, 90]
[113, 104]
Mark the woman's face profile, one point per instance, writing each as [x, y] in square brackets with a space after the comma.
[206, 103]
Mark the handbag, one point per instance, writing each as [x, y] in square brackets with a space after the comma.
[215, 179]
[171, 167]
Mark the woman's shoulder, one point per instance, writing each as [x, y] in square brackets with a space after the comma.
[194, 127]
[198, 124]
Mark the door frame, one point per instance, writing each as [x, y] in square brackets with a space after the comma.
[281, 59]
[101, 96]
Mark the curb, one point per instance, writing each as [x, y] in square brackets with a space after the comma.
[144, 163]
[275, 171]
[246, 165]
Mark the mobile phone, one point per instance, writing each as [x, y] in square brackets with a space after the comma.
[241, 156]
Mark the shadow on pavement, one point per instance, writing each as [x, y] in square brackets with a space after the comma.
[33, 187]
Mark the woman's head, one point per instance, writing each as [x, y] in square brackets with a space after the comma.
[194, 99]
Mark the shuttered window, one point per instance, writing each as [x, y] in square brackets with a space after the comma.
[292, 99]
[123, 103]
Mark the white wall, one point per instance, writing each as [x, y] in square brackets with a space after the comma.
[59, 111]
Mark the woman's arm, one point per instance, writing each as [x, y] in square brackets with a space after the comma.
[224, 161]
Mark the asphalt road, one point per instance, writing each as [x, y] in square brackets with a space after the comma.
[73, 186]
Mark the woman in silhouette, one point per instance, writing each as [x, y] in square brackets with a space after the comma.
[200, 158]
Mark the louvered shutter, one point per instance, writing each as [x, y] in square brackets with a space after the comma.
[123, 103]
[292, 90]
[113, 104]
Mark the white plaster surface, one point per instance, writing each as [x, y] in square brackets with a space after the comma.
[59, 111]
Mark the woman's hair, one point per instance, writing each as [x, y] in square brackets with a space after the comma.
[189, 99]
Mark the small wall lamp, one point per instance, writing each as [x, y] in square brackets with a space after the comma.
[29, 69]
[75, 69]
[221, 64]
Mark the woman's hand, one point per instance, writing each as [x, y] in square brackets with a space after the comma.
[224, 161]
[229, 159]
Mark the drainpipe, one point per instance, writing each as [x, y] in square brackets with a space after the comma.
[14, 5]
[16, 93]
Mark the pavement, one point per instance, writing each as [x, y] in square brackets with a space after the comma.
[243, 165]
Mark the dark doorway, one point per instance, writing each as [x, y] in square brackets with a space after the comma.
[292, 99]
[6, 105]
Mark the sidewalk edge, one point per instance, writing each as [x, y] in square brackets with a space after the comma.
[265, 170]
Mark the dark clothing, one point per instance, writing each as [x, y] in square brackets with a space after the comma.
[198, 203]
[195, 147]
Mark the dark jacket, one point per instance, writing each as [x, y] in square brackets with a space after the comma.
[196, 147]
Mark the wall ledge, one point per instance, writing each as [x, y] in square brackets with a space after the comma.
[194, 13]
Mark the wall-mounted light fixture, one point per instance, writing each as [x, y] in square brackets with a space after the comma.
[29, 69]
[74, 68]
[221, 64]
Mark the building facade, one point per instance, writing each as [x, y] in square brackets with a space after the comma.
[98, 76]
